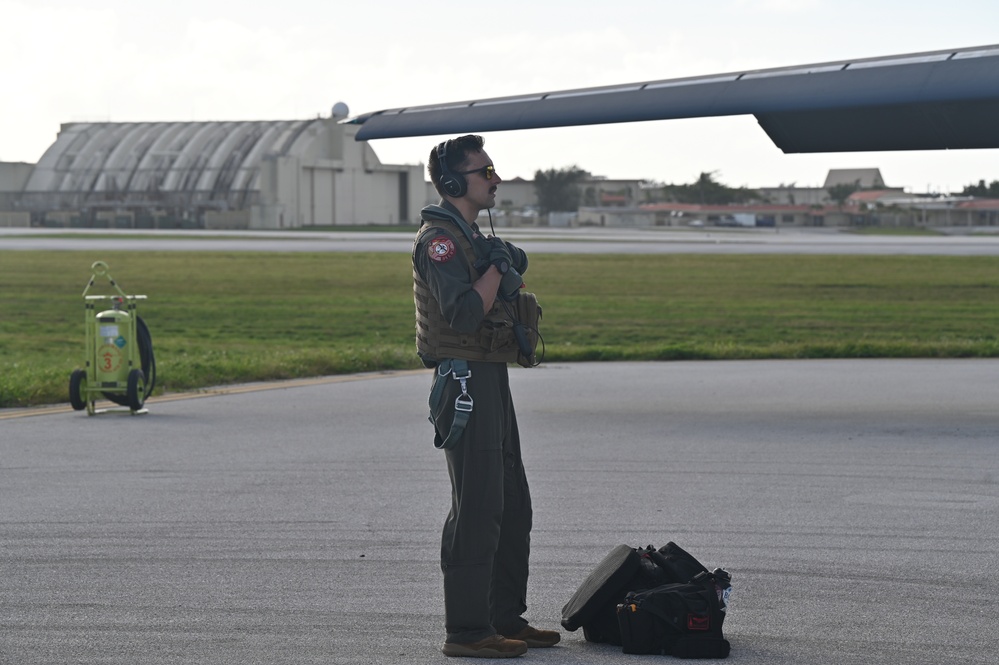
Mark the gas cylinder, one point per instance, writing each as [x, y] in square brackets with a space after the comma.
[112, 357]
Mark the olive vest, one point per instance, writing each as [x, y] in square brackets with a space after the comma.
[493, 341]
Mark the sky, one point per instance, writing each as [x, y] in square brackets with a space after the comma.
[197, 60]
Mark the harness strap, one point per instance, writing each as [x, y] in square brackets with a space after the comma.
[458, 368]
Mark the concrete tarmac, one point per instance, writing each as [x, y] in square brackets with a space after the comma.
[855, 503]
[962, 241]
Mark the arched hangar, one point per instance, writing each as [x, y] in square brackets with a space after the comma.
[243, 174]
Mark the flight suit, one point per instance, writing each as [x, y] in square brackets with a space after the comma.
[485, 544]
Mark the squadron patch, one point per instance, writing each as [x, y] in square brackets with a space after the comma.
[441, 249]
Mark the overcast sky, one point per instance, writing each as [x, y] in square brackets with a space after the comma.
[137, 60]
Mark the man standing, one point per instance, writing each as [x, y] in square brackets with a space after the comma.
[466, 289]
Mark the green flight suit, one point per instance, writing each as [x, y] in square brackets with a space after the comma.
[485, 544]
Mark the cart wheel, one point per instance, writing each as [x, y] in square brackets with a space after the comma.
[77, 389]
[136, 393]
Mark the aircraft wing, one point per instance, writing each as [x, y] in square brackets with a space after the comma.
[921, 101]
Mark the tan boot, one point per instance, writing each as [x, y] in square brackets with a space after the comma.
[494, 646]
[537, 639]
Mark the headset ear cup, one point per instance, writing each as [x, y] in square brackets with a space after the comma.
[454, 184]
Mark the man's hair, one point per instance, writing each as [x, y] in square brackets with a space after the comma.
[457, 154]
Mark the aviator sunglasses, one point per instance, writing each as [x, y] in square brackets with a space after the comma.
[487, 171]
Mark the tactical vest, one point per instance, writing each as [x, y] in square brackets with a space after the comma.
[493, 341]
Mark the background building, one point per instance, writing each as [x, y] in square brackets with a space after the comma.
[257, 175]
[312, 173]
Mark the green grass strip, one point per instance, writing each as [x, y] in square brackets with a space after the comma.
[219, 318]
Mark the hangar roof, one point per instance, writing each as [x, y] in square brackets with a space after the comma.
[144, 157]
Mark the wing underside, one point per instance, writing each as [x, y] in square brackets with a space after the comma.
[923, 101]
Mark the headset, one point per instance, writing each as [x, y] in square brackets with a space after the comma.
[453, 184]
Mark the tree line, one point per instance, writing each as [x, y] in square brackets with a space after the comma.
[560, 190]
[990, 191]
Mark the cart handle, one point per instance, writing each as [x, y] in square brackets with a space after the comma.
[100, 269]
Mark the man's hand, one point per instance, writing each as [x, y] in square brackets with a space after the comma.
[519, 257]
[499, 255]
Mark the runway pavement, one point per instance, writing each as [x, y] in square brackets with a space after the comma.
[963, 241]
[855, 503]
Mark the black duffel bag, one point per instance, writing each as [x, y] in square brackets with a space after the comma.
[682, 620]
[594, 605]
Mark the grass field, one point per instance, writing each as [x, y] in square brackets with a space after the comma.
[219, 318]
